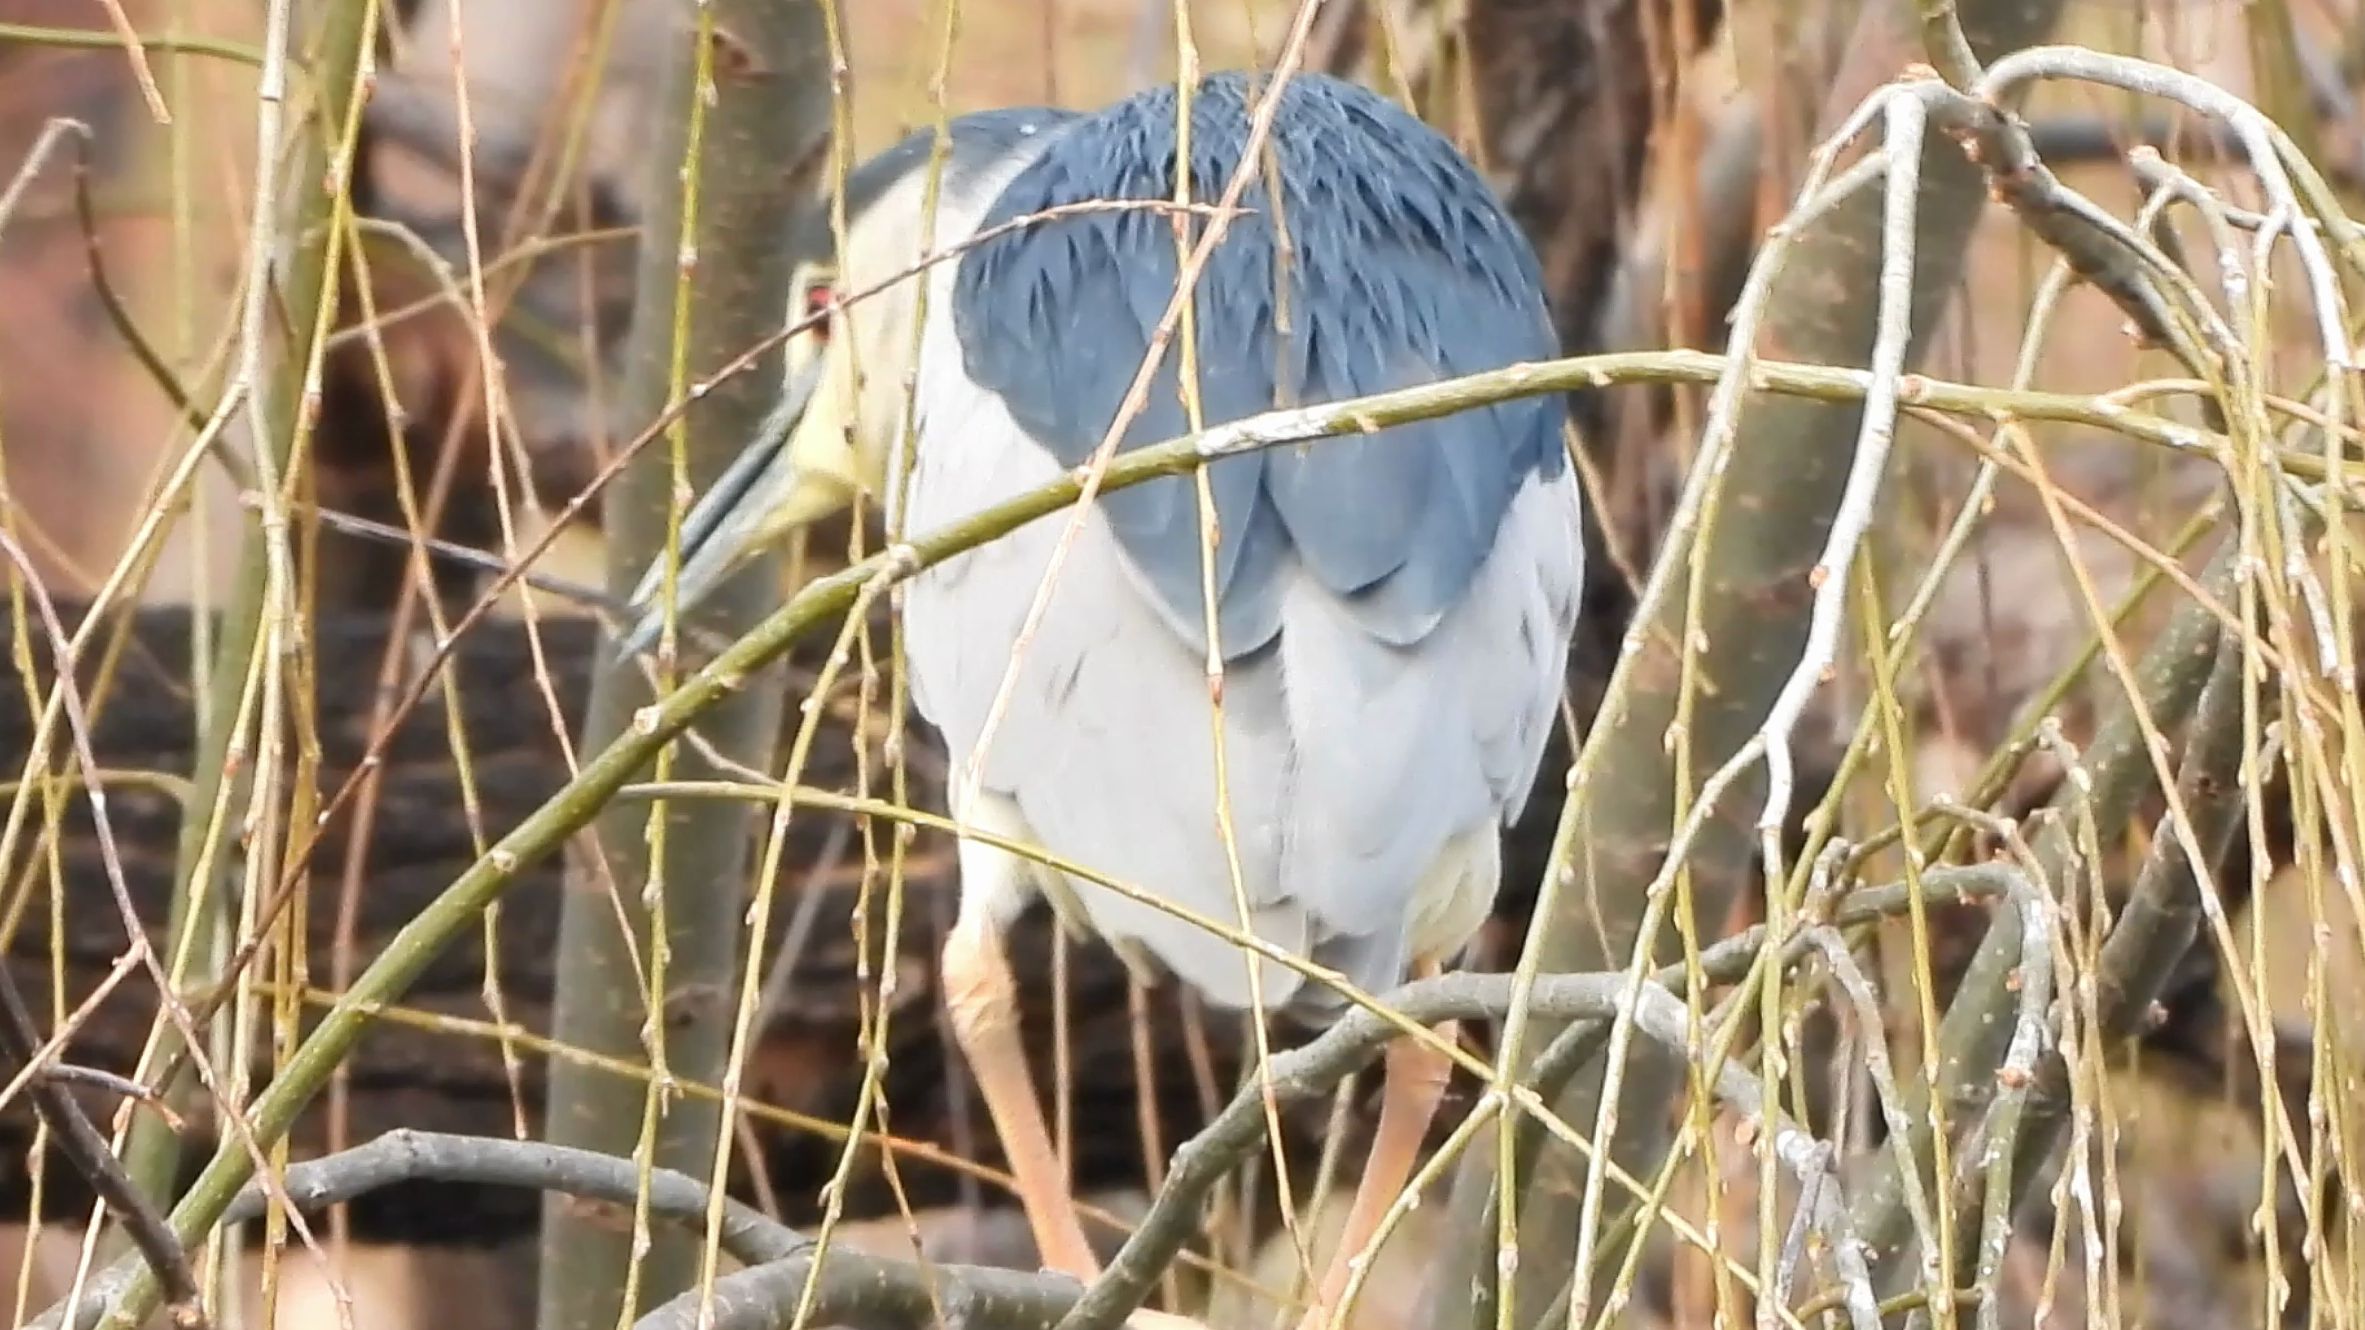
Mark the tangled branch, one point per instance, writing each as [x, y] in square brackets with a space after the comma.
[875, 1291]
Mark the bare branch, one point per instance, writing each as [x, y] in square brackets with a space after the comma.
[87, 1149]
[849, 1283]
[876, 1294]
[1314, 1070]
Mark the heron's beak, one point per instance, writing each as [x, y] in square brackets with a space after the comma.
[800, 468]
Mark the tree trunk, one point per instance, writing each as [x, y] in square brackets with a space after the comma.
[1783, 485]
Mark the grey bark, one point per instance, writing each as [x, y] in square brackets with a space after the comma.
[762, 135]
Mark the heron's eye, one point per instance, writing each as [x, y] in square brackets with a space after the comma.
[819, 298]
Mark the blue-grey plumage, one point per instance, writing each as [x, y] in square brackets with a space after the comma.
[1394, 610]
[978, 141]
[1401, 268]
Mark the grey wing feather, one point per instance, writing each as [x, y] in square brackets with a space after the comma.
[1402, 270]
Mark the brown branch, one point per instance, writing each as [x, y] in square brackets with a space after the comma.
[92, 1157]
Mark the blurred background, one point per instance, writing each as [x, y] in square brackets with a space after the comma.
[1644, 144]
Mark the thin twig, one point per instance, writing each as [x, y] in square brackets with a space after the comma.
[88, 1151]
[20, 1035]
[122, 1087]
[1873, 1037]
[38, 34]
[20, 1038]
[243, 762]
[1907, 120]
[1311, 1071]
[453, 553]
[137, 55]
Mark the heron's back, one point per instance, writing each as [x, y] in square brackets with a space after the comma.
[1399, 268]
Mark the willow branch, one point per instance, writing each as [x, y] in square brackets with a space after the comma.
[1313, 1071]
[2118, 774]
[822, 601]
[242, 762]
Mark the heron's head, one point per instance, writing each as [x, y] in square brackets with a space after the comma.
[850, 369]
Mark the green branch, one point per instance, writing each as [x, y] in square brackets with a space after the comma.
[248, 669]
[35, 34]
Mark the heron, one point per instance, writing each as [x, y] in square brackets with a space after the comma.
[1375, 628]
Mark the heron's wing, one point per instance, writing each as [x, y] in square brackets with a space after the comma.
[1400, 269]
[1352, 766]
[1408, 759]
[1105, 743]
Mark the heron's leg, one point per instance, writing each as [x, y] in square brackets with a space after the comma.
[1413, 1078]
[982, 1000]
